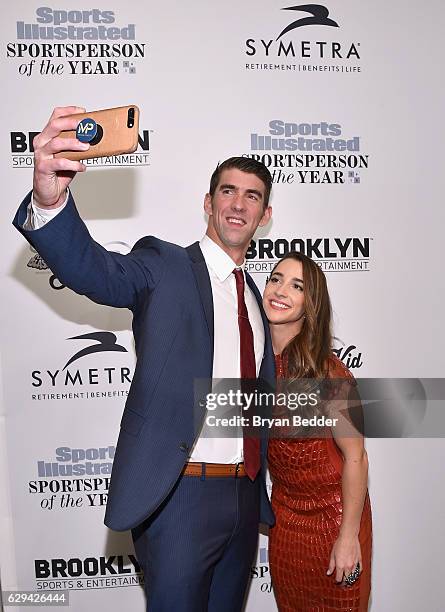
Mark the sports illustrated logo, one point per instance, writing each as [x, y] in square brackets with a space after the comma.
[309, 153]
[331, 254]
[296, 49]
[76, 462]
[261, 570]
[349, 354]
[37, 263]
[88, 573]
[84, 381]
[75, 42]
[22, 150]
[74, 478]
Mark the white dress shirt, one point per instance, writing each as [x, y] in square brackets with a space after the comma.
[226, 356]
[226, 359]
[37, 217]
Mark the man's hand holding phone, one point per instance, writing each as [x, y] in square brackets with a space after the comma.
[53, 175]
[71, 135]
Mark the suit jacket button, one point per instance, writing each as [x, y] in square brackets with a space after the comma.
[183, 447]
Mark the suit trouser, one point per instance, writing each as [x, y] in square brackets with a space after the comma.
[197, 549]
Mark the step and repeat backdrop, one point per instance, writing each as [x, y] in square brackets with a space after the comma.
[341, 102]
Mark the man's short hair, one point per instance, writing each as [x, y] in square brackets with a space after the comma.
[245, 164]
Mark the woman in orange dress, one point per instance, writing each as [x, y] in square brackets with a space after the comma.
[320, 547]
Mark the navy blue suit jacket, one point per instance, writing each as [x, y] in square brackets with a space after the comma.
[168, 289]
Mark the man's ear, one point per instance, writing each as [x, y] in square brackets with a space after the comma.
[208, 204]
[266, 216]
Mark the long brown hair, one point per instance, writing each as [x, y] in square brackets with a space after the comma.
[307, 354]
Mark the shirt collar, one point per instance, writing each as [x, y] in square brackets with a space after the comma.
[217, 259]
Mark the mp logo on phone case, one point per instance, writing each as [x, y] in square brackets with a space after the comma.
[86, 130]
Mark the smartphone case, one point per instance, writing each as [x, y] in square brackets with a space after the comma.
[117, 137]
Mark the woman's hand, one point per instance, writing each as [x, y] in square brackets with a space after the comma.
[345, 555]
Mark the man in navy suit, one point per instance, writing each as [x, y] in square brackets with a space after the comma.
[193, 501]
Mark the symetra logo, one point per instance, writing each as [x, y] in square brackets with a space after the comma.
[85, 381]
[106, 340]
[299, 49]
[320, 16]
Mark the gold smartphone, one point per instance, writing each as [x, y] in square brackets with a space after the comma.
[111, 131]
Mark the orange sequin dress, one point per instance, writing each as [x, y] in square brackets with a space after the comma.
[307, 501]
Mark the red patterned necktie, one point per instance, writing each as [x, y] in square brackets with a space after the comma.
[251, 446]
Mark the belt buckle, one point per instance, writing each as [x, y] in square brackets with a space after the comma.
[237, 469]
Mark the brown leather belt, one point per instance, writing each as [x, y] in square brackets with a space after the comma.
[221, 470]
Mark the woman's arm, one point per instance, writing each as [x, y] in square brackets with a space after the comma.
[346, 551]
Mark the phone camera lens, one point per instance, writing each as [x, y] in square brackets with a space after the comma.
[130, 118]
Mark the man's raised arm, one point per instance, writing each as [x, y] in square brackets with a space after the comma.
[59, 235]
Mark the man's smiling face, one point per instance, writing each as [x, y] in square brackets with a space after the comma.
[236, 209]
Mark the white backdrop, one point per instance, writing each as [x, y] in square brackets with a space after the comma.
[348, 120]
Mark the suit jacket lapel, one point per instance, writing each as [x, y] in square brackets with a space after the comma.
[202, 278]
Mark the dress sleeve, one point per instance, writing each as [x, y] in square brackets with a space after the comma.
[343, 400]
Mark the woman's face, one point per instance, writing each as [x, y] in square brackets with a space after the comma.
[283, 297]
